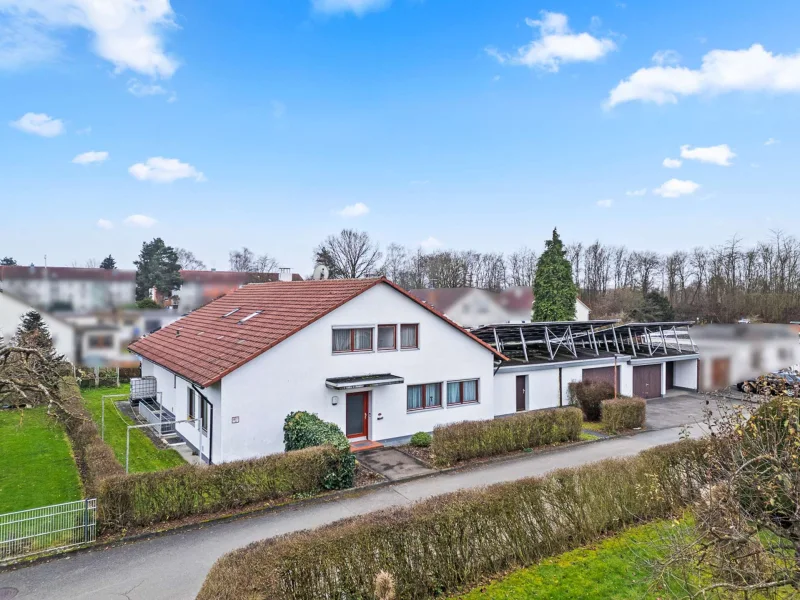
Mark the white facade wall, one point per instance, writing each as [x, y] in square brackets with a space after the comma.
[291, 377]
[63, 334]
[478, 307]
[685, 374]
[581, 311]
[84, 295]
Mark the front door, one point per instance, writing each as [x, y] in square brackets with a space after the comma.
[356, 418]
[521, 392]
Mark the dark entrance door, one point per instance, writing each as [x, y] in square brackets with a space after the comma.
[356, 415]
[647, 381]
[670, 375]
[521, 380]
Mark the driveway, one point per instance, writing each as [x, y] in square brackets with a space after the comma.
[173, 566]
[680, 409]
[393, 464]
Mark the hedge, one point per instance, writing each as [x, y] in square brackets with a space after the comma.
[623, 413]
[305, 430]
[588, 395]
[142, 499]
[442, 545]
[475, 439]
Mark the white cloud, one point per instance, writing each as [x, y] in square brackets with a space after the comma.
[640, 192]
[556, 45]
[718, 155]
[666, 57]
[141, 90]
[605, 203]
[359, 209]
[90, 157]
[753, 69]
[127, 33]
[164, 170]
[672, 163]
[771, 142]
[23, 44]
[357, 7]
[140, 221]
[39, 124]
[431, 243]
[675, 188]
[105, 224]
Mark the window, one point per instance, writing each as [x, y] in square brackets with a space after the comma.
[427, 395]
[229, 313]
[99, 342]
[387, 337]
[250, 316]
[190, 406]
[462, 392]
[205, 409]
[352, 340]
[409, 336]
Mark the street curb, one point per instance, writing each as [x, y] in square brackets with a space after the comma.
[319, 499]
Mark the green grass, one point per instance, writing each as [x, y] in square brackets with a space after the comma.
[592, 426]
[587, 437]
[614, 568]
[36, 463]
[144, 455]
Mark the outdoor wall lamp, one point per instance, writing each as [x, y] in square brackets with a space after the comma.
[334, 400]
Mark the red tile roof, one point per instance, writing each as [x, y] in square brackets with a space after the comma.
[204, 346]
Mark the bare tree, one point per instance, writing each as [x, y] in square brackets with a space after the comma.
[188, 261]
[522, 267]
[246, 261]
[91, 263]
[350, 254]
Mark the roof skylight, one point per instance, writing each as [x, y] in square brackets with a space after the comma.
[250, 316]
[228, 314]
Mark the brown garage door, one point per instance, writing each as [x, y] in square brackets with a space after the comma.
[647, 381]
[600, 374]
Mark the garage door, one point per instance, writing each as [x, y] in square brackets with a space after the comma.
[599, 374]
[647, 381]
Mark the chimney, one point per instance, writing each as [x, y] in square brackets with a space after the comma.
[285, 274]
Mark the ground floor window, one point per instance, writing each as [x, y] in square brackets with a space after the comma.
[427, 395]
[462, 392]
[205, 411]
[190, 406]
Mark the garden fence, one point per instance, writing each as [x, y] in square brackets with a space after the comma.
[55, 527]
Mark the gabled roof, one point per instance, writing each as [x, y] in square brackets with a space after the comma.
[206, 345]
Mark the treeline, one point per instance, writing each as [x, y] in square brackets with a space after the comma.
[712, 284]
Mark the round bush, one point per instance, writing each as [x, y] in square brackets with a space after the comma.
[421, 439]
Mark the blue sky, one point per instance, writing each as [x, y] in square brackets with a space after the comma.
[468, 125]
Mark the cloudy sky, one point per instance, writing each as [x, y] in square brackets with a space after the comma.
[426, 122]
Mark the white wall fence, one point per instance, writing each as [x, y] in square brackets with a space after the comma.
[36, 530]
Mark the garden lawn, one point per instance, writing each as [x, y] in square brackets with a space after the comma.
[144, 455]
[614, 568]
[36, 463]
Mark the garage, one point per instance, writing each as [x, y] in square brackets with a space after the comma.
[605, 374]
[647, 381]
[670, 383]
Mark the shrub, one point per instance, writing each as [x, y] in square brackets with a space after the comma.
[587, 395]
[304, 430]
[421, 439]
[623, 413]
[147, 303]
[446, 543]
[142, 499]
[475, 439]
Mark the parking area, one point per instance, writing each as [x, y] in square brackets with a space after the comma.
[685, 408]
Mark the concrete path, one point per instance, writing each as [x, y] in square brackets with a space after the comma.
[393, 464]
[174, 566]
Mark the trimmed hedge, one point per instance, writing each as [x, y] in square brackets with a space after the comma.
[477, 439]
[142, 499]
[624, 413]
[444, 544]
[305, 430]
[588, 396]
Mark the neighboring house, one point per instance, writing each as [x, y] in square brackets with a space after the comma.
[472, 307]
[363, 354]
[12, 309]
[93, 289]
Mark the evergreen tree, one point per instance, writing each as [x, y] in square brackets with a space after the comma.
[157, 268]
[654, 307]
[33, 332]
[554, 290]
[108, 263]
[7, 261]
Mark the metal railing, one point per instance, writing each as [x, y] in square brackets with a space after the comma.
[159, 416]
[36, 530]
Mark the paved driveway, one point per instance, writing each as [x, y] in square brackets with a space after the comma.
[682, 409]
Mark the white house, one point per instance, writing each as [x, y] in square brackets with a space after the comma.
[473, 307]
[363, 354]
[12, 309]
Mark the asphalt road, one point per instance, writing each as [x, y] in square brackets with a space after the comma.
[173, 566]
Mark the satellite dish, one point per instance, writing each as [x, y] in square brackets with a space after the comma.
[321, 272]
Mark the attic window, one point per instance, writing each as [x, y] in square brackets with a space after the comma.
[250, 316]
[228, 314]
